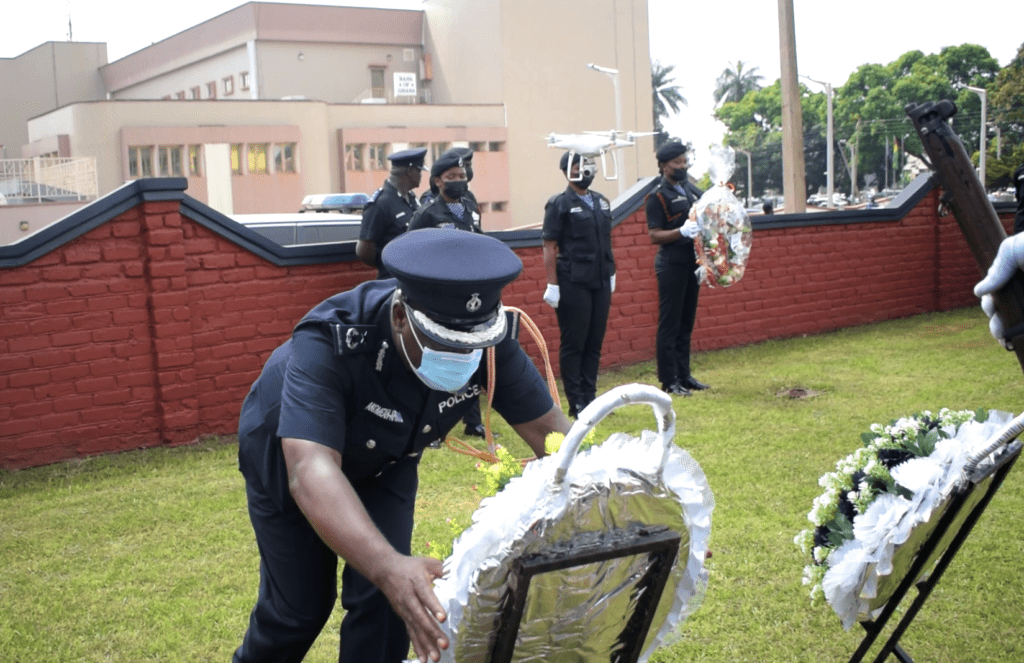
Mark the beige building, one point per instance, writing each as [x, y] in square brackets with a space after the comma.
[270, 102]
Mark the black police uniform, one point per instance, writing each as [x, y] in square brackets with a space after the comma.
[339, 381]
[585, 266]
[385, 217]
[437, 214]
[675, 267]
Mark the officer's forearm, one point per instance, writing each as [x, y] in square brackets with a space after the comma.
[662, 236]
[332, 507]
[367, 252]
[551, 261]
[534, 432]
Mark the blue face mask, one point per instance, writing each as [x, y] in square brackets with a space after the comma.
[444, 371]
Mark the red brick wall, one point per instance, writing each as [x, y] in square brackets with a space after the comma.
[150, 328]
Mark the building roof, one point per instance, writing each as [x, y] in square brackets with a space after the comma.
[266, 21]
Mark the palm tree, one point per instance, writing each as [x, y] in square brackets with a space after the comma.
[667, 96]
[734, 84]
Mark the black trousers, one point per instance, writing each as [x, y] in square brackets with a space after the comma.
[678, 290]
[298, 581]
[582, 319]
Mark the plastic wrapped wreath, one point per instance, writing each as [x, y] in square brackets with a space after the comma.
[566, 500]
[879, 502]
[724, 240]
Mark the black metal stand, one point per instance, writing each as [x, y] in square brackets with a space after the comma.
[973, 500]
[659, 544]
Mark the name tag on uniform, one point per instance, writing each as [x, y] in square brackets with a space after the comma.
[400, 215]
[678, 198]
[575, 210]
[604, 204]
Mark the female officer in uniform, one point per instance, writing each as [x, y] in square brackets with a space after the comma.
[580, 278]
[331, 433]
[668, 209]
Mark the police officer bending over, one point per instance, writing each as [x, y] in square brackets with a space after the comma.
[331, 433]
[391, 207]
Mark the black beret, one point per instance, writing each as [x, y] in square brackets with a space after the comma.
[670, 151]
[413, 157]
[445, 162]
[454, 279]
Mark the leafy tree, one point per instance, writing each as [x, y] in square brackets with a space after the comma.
[667, 95]
[1006, 109]
[735, 83]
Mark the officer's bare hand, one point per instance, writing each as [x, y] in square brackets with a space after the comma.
[408, 587]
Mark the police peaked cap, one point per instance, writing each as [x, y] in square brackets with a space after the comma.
[445, 162]
[413, 157]
[670, 151]
[454, 278]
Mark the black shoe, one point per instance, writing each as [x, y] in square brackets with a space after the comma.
[694, 384]
[676, 389]
[479, 431]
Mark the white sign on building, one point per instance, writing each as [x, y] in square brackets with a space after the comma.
[405, 84]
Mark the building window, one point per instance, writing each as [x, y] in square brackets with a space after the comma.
[243, 80]
[377, 83]
[437, 149]
[354, 157]
[258, 157]
[166, 97]
[140, 162]
[229, 85]
[479, 146]
[211, 90]
[499, 207]
[284, 158]
[236, 159]
[195, 160]
[170, 160]
[378, 156]
[180, 94]
[496, 147]
[195, 93]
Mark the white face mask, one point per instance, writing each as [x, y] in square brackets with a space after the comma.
[443, 371]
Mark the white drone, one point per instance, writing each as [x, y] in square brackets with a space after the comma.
[590, 144]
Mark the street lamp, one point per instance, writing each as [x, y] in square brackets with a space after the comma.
[614, 75]
[828, 152]
[981, 92]
[750, 179]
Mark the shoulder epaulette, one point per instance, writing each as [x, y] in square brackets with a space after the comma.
[353, 339]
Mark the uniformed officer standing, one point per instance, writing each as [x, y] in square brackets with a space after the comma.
[1018, 189]
[391, 207]
[675, 266]
[453, 207]
[580, 277]
[331, 433]
[464, 153]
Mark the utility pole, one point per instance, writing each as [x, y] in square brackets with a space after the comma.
[829, 150]
[614, 75]
[750, 177]
[794, 179]
[981, 92]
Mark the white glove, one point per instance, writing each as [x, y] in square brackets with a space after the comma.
[689, 229]
[1008, 260]
[613, 283]
[551, 295]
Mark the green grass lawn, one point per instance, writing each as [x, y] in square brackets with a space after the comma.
[149, 555]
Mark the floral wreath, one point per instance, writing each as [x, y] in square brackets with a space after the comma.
[878, 504]
[724, 239]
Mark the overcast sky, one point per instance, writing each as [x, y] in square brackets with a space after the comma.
[700, 38]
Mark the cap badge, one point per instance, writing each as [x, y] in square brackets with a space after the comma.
[474, 303]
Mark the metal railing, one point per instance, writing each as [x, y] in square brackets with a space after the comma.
[47, 180]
